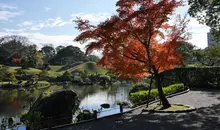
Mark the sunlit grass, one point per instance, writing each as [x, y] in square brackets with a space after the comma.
[89, 67]
[172, 108]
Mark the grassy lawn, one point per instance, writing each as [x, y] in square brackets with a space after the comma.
[23, 82]
[12, 69]
[90, 67]
[172, 108]
[55, 68]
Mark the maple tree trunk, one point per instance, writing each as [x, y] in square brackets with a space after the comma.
[162, 97]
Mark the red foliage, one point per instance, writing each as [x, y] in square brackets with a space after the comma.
[15, 60]
[138, 40]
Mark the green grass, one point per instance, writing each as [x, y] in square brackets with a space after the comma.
[12, 69]
[32, 71]
[55, 68]
[172, 108]
[2, 83]
[23, 82]
[90, 67]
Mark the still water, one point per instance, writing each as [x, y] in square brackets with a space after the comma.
[13, 103]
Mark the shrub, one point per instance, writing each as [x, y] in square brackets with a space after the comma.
[32, 120]
[192, 77]
[142, 96]
[86, 115]
[139, 87]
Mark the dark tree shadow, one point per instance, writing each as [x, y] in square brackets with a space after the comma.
[207, 118]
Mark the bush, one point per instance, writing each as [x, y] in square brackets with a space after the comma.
[192, 77]
[142, 96]
[139, 87]
[32, 120]
[86, 115]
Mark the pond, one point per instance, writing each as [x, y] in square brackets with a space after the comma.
[13, 103]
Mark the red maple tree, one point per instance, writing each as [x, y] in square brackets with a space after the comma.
[15, 60]
[138, 40]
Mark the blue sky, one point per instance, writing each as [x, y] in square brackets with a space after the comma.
[50, 21]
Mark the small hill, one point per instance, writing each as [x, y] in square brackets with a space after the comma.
[90, 67]
[55, 71]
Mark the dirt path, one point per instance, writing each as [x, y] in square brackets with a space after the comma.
[206, 117]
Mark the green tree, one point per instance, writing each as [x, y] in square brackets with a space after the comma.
[93, 58]
[3, 72]
[187, 50]
[68, 55]
[48, 52]
[209, 56]
[15, 47]
[66, 76]
[10, 76]
[21, 72]
[58, 48]
[38, 56]
[207, 12]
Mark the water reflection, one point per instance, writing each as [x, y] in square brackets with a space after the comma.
[14, 103]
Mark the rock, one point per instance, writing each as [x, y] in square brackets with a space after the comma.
[56, 108]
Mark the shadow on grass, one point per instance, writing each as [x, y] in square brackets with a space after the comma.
[207, 118]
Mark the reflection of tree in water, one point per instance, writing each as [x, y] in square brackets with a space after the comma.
[14, 103]
[83, 91]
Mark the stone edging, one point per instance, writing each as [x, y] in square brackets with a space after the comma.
[152, 102]
[189, 109]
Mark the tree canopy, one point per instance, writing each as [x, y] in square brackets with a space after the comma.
[68, 55]
[15, 47]
[207, 12]
[138, 40]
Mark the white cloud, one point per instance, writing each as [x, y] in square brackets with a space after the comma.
[199, 33]
[47, 9]
[56, 22]
[6, 15]
[5, 6]
[14, 30]
[92, 17]
[41, 39]
[25, 23]
[49, 23]
[34, 29]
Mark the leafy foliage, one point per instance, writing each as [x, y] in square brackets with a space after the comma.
[207, 12]
[138, 40]
[86, 115]
[15, 47]
[32, 120]
[142, 96]
[209, 56]
[139, 87]
[68, 55]
[193, 77]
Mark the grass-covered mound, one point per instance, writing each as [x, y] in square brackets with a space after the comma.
[89, 67]
[172, 109]
[142, 96]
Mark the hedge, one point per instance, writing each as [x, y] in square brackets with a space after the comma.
[192, 77]
[142, 96]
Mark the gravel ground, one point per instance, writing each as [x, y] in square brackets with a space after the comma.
[206, 117]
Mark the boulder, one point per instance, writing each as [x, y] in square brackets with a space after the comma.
[56, 108]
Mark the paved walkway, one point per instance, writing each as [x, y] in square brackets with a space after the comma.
[206, 117]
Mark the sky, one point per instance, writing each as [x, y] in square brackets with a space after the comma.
[50, 21]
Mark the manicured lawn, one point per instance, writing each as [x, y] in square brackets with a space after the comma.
[172, 108]
[23, 82]
[90, 67]
[55, 68]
